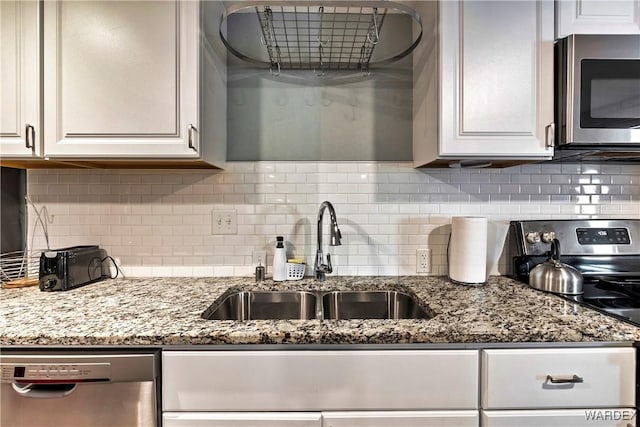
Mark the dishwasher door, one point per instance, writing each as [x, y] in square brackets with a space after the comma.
[78, 390]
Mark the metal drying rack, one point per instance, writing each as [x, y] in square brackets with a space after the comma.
[328, 36]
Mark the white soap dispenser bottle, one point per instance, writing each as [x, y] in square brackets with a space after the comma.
[279, 261]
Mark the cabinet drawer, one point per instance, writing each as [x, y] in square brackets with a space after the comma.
[241, 419]
[319, 380]
[566, 418]
[401, 419]
[523, 378]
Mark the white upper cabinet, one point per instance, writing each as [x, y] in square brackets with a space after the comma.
[121, 79]
[483, 85]
[20, 127]
[597, 17]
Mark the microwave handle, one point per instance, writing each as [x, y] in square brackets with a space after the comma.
[550, 135]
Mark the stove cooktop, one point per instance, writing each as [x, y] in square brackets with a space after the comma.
[605, 251]
[618, 296]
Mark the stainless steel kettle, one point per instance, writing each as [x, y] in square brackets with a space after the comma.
[555, 276]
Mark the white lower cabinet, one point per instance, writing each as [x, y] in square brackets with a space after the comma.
[324, 419]
[343, 380]
[558, 387]
[558, 378]
[242, 419]
[527, 387]
[401, 419]
[611, 417]
[366, 388]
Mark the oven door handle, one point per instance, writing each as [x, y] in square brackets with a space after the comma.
[44, 391]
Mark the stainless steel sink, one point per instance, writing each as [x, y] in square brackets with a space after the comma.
[253, 305]
[306, 305]
[371, 305]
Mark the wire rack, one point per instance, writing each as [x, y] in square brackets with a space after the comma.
[333, 35]
[19, 264]
[26, 264]
[320, 38]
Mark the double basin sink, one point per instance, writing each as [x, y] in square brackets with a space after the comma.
[321, 305]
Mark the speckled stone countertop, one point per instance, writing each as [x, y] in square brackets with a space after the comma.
[166, 312]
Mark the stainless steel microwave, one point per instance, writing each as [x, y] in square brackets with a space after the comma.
[597, 88]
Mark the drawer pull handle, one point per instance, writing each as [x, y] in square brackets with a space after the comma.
[573, 380]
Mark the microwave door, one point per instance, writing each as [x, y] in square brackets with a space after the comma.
[606, 91]
[610, 91]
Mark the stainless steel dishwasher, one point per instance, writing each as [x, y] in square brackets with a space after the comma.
[79, 389]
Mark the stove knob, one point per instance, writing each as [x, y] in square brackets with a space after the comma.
[533, 237]
[548, 236]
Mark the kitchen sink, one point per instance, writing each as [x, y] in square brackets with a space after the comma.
[371, 305]
[254, 305]
[321, 305]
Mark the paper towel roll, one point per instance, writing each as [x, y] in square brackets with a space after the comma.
[468, 250]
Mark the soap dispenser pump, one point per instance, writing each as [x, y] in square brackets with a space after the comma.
[279, 261]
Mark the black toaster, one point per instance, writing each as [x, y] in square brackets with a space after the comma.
[68, 268]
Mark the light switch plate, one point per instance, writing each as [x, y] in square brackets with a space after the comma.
[224, 222]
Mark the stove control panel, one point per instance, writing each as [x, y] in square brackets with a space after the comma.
[603, 236]
[39, 373]
[577, 237]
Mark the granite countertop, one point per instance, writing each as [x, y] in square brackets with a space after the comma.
[166, 312]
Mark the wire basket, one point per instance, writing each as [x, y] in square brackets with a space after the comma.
[19, 264]
[295, 271]
[26, 264]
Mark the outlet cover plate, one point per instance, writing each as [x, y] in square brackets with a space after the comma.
[423, 261]
[224, 222]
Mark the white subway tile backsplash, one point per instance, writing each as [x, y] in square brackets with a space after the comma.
[159, 222]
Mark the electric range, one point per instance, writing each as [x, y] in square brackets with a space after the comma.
[606, 252]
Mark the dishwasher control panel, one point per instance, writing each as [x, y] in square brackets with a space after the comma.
[59, 372]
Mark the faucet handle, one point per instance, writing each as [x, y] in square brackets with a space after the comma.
[328, 267]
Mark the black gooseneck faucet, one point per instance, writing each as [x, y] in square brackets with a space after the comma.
[320, 268]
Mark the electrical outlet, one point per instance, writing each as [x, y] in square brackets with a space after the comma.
[259, 258]
[224, 222]
[423, 261]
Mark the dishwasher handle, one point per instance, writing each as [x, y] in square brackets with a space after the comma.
[44, 391]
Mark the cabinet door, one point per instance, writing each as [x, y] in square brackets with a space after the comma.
[564, 418]
[121, 79]
[20, 130]
[496, 79]
[597, 17]
[331, 380]
[401, 419]
[241, 419]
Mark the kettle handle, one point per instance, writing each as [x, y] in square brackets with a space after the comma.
[555, 250]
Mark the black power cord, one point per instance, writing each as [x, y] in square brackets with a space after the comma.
[119, 271]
